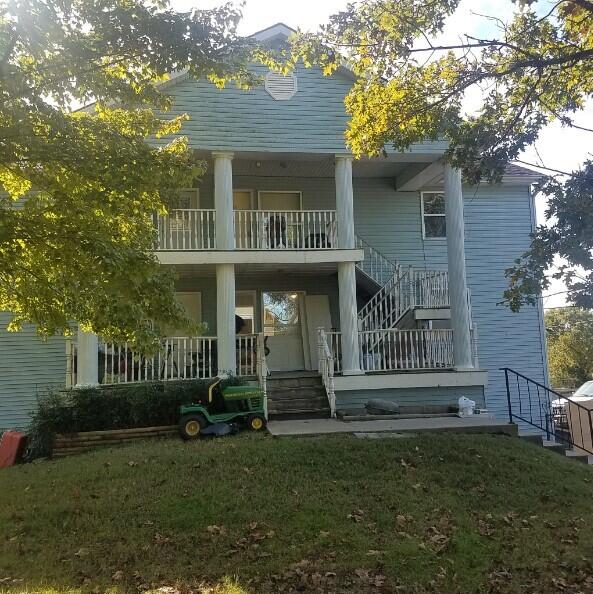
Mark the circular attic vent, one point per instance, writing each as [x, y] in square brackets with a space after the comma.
[281, 87]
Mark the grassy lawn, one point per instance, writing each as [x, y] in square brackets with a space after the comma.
[247, 514]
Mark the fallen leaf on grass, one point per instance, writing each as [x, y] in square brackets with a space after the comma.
[356, 515]
[82, 552]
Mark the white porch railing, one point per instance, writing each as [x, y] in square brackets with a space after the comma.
[429, 288]
[335, 345]
[285, 229]
[187, 230]
[180, 357]
[326, 368]
[246, 354]
[393, 350]
[262, 369]
[398, 350]
[375, 265]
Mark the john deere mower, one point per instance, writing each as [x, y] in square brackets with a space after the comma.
[243, 404]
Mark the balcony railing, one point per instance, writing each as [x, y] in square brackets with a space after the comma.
[187, 230]
[180, 357]
[285, 229]
[195, 229]
[398, 350]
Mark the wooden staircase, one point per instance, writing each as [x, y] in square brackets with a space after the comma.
[293, 396]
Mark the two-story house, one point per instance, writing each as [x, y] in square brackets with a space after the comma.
[361, 278]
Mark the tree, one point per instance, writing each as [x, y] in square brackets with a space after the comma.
[81, 186]
[570, 345]
[537, 68]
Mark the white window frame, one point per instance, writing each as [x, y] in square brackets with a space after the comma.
[423, 215]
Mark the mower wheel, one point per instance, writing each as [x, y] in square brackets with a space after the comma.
[256, 422]
[191, 425]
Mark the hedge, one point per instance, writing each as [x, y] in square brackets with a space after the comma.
[124, 406]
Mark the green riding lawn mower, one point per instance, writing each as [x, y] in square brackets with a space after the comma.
[242, 404]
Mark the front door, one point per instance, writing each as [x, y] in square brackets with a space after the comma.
[283, 329]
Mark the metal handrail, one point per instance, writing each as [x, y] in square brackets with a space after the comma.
[558, 421]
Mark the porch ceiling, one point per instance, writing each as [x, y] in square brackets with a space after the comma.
[309, 165]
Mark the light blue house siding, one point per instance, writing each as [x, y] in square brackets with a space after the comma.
[313, 121]
[498, 220]
[28, 367]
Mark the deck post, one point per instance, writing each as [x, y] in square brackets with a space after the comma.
[223, 200]
[346, 270]
[460, 322]
[87, 359]
[225, 319]
[345, 202]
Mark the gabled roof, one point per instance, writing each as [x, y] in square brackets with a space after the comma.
[518, 173]
[277, 31]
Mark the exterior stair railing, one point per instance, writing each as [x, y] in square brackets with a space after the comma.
[535, 405]
[326, 368]
[375, 265]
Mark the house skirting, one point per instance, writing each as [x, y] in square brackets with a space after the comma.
[440, 389]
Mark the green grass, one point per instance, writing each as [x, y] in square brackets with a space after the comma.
[444, 513]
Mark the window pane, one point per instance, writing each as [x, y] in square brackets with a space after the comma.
[434, 227]
[434, 203]
[281, 314]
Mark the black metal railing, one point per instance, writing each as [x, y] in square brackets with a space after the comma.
[554, 414]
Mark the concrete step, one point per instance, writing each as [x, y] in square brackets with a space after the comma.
[293, 382]
[298, 404]
[299, 414]
[579, 456]
[292, 393]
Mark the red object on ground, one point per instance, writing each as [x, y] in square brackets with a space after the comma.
[11, 448]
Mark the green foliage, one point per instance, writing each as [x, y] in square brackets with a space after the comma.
[570, 345]
[76, 230]
[112, 407]
[536, 69]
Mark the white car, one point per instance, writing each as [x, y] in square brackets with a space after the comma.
[585, 392]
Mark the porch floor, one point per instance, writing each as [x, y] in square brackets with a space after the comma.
[475, 424]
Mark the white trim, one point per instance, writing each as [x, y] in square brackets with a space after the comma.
[422, 214]
[260, 192]
[440, 379]
[260, 256]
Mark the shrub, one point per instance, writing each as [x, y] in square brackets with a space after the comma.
[102, 408]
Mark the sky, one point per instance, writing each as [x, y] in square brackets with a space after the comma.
[558, 147]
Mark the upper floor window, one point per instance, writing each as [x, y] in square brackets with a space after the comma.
[433, 215]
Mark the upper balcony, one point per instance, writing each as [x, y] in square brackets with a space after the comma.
[195, 230]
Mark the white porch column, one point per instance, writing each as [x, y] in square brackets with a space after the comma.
[348, 318]
[223, 200]
[346, 271]
[87, 359]
[344, 202]
[225, 319]
[460, 322]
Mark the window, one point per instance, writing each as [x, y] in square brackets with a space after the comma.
[433, 215]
